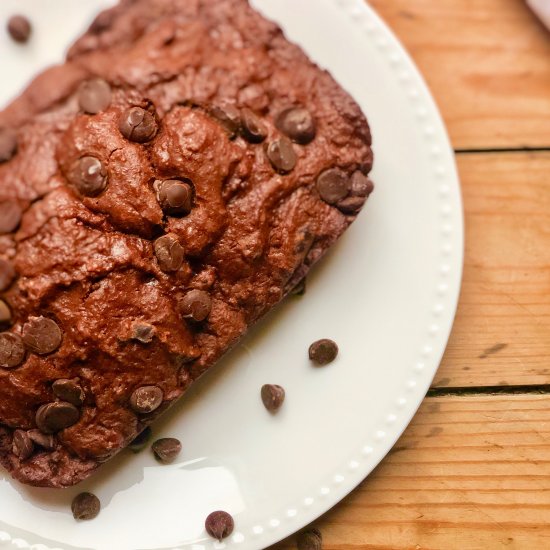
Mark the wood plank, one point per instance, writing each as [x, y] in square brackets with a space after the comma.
[502, 330]
[469, 473]
[487, 63]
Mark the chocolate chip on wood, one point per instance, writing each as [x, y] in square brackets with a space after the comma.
[312, 539]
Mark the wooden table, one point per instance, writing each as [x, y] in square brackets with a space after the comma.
[472, 471]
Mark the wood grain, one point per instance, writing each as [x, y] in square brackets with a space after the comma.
[469, 473]
[487, 63]
[501, 335]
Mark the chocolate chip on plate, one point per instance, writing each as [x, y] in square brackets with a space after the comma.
[94, 96]
[8, 144]
[12, 350]
[10, 216]
[175, 197]
[282, 156]
[41, 335]
[46, 441]
[254, 129]
[298, 124]
[5, 313]
[167, 449]
[140, 441]
[228, 116]
[85, 506]
[54, 417]
[146, 399]
[197, 305]
[219, 525]
[68, 390]
[169, 253]
[137, 124]
[22, 446]
[273, 396]
[312, 539]
[7, 274]
[89, 176]
[300, 288]
[323, 351]
[19, 28]
[333, 185]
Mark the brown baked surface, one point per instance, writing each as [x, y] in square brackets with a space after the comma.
[88, 263]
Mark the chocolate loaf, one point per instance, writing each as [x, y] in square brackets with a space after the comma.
[159, 193]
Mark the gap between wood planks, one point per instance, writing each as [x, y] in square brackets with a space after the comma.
[500, 150]
[540, 389]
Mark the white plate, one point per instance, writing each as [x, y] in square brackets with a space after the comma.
[387, 294]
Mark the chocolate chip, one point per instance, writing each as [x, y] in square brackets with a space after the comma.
[323, 351]
[167, 449]
[137, 124]
[298, 124]
[351, 205]
[273, 397]
[300, 288]
[12, 351]
[175, 197]
[254, 129]
[94, 96]
[46, 441]
[197, 305]
[68, 390]
[89, 176]
[10, 216]
[7, 274]
[310, 540]
[140, 441]
[85, 506]
[19, 28]
[146, 399]
[8, 144]
[361, 185]
[333, 185]
[143, 332]
[54, 417]
[228, 116]
[41, 335]
[169, 253]
[219, 525]
[282, 155]
[5, 313]
[23, 446]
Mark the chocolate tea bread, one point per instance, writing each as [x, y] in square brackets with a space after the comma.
[159, 193]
